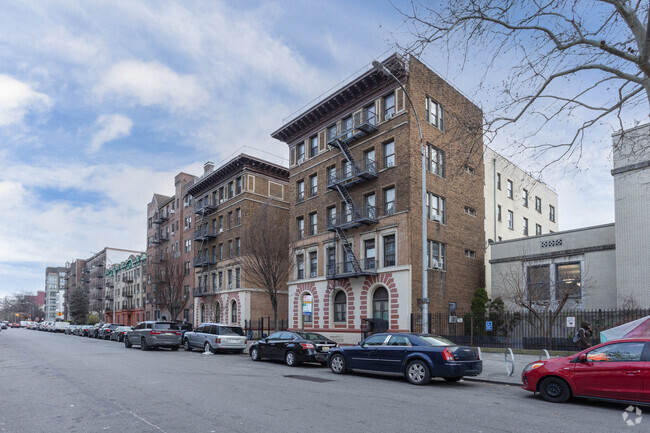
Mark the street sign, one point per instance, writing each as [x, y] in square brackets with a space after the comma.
[570, 322]
[488, 325]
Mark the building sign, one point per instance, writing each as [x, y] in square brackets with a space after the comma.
[306, 305]
[488, 325]
[570, 322]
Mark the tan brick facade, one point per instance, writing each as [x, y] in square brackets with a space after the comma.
[400, 275]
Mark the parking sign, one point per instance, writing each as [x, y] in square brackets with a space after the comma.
[488, 325]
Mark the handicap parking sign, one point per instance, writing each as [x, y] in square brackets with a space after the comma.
[488, 325]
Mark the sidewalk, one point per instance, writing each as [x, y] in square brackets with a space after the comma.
[494, 368]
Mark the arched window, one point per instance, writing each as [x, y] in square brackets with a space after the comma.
[202, 313]
[340, 306]
[233, 311]
[380, 304]
[307, 307]
[217, 313]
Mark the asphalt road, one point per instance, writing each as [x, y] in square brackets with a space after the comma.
[60, 383]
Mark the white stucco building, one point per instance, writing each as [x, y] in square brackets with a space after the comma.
[516, 205]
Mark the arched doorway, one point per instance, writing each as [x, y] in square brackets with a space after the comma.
[380, 304]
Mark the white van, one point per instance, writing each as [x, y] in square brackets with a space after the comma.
[61, 326]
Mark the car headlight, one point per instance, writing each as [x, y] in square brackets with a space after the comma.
[533, 366]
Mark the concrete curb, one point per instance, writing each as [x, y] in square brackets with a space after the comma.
[496, 382]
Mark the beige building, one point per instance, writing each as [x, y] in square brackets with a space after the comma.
[516, 205]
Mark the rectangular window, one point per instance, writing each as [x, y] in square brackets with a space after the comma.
[331, 260]
[237, 216]
[301, 227]
[313, 146]
[510, 188]
[369, 159]
[238, 185]
[300, 153]
[538, 229]
[538, 283]
[525, 198]
[568, 281]
[389, 201]
[470, 211]
[229, 249]
[436, 253]
[300, 266]
[188, 223]
[498, 212]
[331, 175]
[389, 105]
[238, 246]
[389, 154]
[346, 169]
[370, 254]
[369, 114]
[551, 213]
[313, 185]
[221, 251]
[331, 133]
[313, 264]
[331, 216]
[231, 189]
[525, 226]
[220, 223]
[499, 181]
[436, 208]
[435, 114]
[229, 220]
[435, 161]
[470, 254]
[511, 217]
[229, 278]
[347, 127]
[300, 191]
[186, 268]
[313, 223]
[220, 279]
[538, 204]
[188, 245]
[369, 210]
[390, 258]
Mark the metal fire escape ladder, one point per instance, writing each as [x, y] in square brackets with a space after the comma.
[348, 250]
[346, 152]
[354, 212]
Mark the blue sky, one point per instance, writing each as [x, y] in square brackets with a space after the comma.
[103, 102]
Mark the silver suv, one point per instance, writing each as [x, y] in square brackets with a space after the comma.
[215, 337]
[152, 334]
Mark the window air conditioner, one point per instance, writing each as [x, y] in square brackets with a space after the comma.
[437, 218]
[301, 160]
[435, 264]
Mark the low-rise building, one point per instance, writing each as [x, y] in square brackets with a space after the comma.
[125, 296]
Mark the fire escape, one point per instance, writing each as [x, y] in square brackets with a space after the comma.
[203, 234]
[353, 215]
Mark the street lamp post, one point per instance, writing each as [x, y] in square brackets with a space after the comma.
[425, 289]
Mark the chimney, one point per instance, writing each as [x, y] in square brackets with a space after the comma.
[208, 167]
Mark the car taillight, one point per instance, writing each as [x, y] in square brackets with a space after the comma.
[245, 340]
[217, 340]
[307, 345]
[447, 355]
[156, 332]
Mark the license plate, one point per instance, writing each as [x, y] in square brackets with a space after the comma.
[168, 333]
[324, 349]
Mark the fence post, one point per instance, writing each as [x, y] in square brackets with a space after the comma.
[471, 328]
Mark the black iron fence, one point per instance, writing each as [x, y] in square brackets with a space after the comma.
[523, 330]
[256, 329]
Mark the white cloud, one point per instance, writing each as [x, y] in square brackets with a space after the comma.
[110, 127]
[151, 84]
[17, 98]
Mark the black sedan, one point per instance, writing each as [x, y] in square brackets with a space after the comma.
[418, 357]
[293, 347]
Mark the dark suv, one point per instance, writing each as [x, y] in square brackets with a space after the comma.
[106, 330]
[152, 334]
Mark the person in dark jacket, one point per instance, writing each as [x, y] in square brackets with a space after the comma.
[584, 335]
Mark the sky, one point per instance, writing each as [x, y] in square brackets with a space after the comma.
[103, 102]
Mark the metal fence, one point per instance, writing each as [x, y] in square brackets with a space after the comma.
[256, 329]
[523, 330]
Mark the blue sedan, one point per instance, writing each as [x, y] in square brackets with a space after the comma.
[418, 357]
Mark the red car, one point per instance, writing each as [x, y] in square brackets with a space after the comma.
[617, 370]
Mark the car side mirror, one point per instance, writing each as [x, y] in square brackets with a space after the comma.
[582, 357]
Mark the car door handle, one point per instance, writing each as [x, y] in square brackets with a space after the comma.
[633, 372]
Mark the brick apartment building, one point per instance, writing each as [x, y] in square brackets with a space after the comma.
[356, 202]
[224, 197]
[169, 242]
[125, 291]
[75, 276]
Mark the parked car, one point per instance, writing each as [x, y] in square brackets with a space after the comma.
[3, 326]
[185, 327]
[106, 330]
[119, 333]
[293, 347]
[418, 357]
[215, 337]
[94, 331]
[612, 371]
[71, 329]
[153, 334]
[60, 326]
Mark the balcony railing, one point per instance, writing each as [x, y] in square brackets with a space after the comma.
[205, 233]
[127, 279]
[160, 217]
[204, 207]
[353, 218]
[205, 259]
[159, 238]
[363, 123]
[204, 291]
[365, 169]
[346, 269]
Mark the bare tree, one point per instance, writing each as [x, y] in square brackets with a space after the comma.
[168, 291]
[266, 259]
[569, 61]
[531, 288]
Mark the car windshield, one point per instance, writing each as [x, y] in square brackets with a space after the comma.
[231, 330]
[163, 326]
[311, 336]
[434, 340]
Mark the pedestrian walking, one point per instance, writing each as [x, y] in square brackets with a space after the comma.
[583, 335]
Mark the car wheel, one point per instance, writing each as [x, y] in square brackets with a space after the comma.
[290, 359]
[453, 379]
[555, 390]
[255, 354]
[143, 344]
[186, 345]
[417, 372]
[337, 364]
[127, 343]
[174, 348]
[207, 348]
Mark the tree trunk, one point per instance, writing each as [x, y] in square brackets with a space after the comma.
[274, 303]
